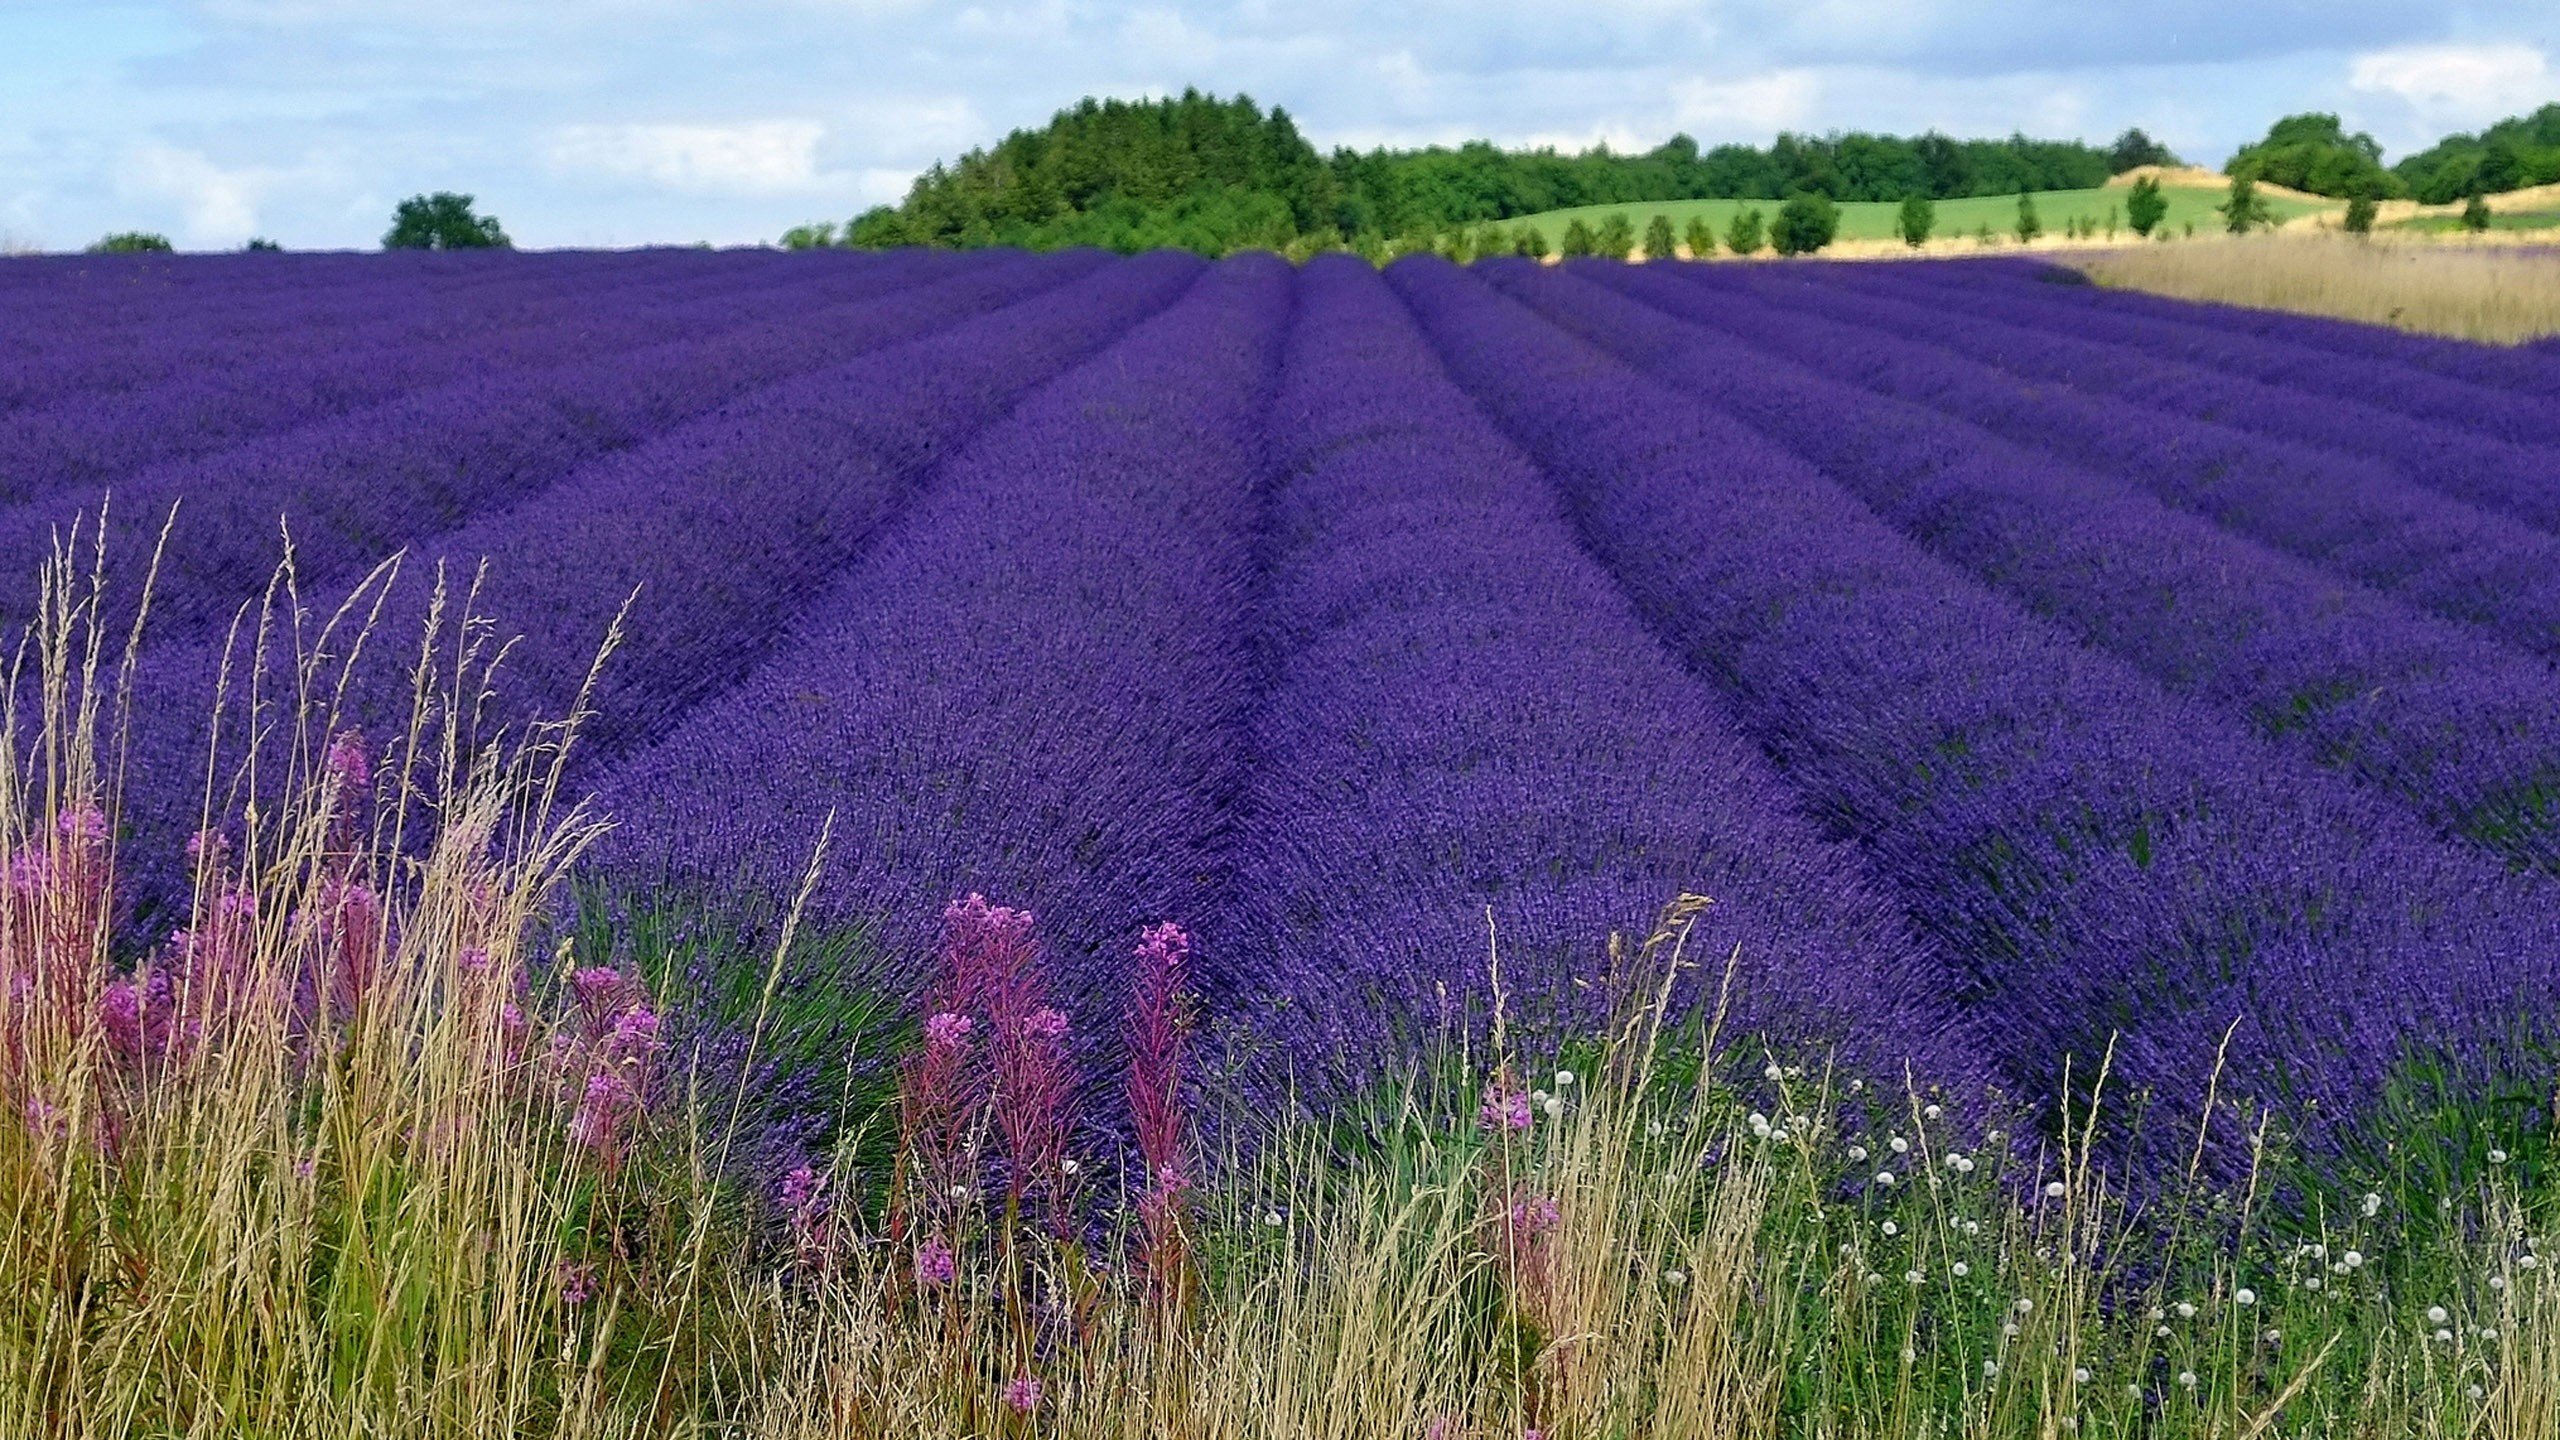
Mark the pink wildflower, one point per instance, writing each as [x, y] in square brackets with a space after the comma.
[577, 1283]
[935, 1264]
[1506, 1106]
[1156, 1026]
[1022, 1394]
[800, 1188]
[948, 1031]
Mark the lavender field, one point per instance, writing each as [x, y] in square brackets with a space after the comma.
[2019, 667]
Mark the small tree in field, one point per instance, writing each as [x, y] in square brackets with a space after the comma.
[131, 242]
[2475, 213]
[2146, 207]
[1919, 216]
[1658, 241]
[1578, 239]
[1701, 238]
[2244, 210]
[1529, 242]
[442, 221]
[1617, 237]
[2360, 209]
[2028, 226]
[1804, 225]
[1742, 237]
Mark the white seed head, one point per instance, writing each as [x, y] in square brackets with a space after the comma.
[1898, 1145]
[2372, 1204]
[1564, 1079]
[2436, 1315]
[2080, 1376]
[1554, 1106]
[1931, 1112]
[2444, 1337]
[1990, 1368]
[2245, 1296]
[1271, 1219]
[1912, 1277]
[1675, 1277]
[2024, 1306]
[2187, 1379]
[2186, 1311]
[2497, 1157]
[1961, 1269]
[1891, 1229]
[2353, 1259]
[1971, 1227]
[2054, 1190]
[1857, 1154]
[1884, 1177]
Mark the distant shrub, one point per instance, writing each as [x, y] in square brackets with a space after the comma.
[2244, 209]
[1529, 242]
[817, 235]
[1701, 238]
[1578, 239]
[131, 242]
[442, 221]
[1491, 239]
[1742, 236]
[2360, 211]
[2111, 221]
[1804, 225]
[2028, 227]
[2134, 149]
[2475, 213]
[261, 245]
[1659, 244]
[2146, 207]
[1617, 237]
[1918, 217]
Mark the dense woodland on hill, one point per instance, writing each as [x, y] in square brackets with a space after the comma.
[1211, 174]
[1214, 175]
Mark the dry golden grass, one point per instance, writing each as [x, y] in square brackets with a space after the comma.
[2505, 292]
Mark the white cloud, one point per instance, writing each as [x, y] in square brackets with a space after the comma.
[1747, 108]
[2458, 85]
[218, 206]
[761, 157]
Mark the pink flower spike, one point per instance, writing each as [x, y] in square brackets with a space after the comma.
[577, 1283]
[935, 1264]
[1022, 1394]
[948, 1031]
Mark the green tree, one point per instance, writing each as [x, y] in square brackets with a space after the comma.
[2475, 213]
[2146, 207]
[2133, 149]
[261, 245]
[817, 235]
[2360, 211]
[1617, 237]
[131, 242]
[442, 221]
[1917, 218]
[1805, 224]
[1742, 234]
[1529, 242]
[1578, 239]
[1659, 243]
[1701, 237]
[2028, 227]
[2244, 210]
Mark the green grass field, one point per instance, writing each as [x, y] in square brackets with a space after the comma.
[2519, 220]
[1874, 219]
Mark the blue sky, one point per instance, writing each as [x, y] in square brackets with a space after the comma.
[619, 122]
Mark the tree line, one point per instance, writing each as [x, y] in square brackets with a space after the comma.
[1212, 174]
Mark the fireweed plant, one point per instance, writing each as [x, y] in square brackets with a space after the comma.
[357, 1150]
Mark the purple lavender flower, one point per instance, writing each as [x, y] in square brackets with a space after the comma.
[935, 1264]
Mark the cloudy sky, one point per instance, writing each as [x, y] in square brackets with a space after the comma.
[618, 122]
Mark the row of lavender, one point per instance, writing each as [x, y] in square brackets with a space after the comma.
[2017, 666]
